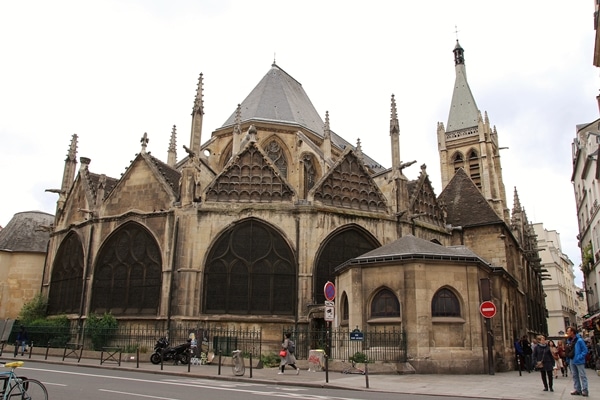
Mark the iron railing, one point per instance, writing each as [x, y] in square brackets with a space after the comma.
[377, 344]
[130, 339]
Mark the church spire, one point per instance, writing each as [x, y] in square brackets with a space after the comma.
[70, 166]
[172, 152]
[463, 109]
[395, 136]
[237, 130]
[197, 116]
[326, 146]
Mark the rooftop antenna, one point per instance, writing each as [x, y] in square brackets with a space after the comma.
[456, 32]
[274, 58]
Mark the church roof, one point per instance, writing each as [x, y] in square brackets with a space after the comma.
[280, 98]
[463, 109]
[24, 232]
[465, 205]
[410, 247]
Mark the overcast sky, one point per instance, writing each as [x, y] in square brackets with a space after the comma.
[111, 70]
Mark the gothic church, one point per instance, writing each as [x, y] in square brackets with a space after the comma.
[247, 228]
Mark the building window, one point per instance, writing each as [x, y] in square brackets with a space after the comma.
[66, 281]
[128, 273]
[445, 304]
[275, 153]
[345, 308]
[344, 245]
[474, 171]
[458, 162]
[250, 270]
[385, 304]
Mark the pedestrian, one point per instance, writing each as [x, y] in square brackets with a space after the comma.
[556, 357]
[560, 346]
[527, 352]
[520, 357]
[542, 356]
[288, 359]
[576, 351]
[22, 340]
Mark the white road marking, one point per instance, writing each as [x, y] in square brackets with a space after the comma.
[138, 395]
[231, 389]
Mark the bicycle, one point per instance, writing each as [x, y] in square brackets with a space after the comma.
[19, 387]
[238, 366]
[351, 368]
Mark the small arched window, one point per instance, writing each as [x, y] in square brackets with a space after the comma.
[458, 161]
[345, 308]
[385, 304]
[474, 171]
[275, 153]
[445, 304]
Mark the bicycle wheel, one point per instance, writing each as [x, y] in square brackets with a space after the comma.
[238, 366]
[30, 389]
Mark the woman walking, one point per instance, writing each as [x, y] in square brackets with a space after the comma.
[557, 361]
[544, 362]
[289, 347]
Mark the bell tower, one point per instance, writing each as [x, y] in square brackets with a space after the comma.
[468, 142]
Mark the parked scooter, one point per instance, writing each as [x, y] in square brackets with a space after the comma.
[178, 354]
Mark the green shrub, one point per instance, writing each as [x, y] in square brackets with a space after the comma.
[53, 332]
[359, 357]
[101, 330]
[33, 310]
[270, 360]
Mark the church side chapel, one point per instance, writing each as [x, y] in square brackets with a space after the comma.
[248, 226]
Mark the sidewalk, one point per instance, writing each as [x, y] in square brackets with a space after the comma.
[504, 385]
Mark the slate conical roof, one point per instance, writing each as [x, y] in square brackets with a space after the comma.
[25, 232]
[463, 109]
[279, 98]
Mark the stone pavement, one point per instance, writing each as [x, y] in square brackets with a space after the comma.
[503, 385]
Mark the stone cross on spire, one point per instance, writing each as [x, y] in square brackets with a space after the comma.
[144, 141]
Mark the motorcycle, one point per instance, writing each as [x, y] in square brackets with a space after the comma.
[178, 354]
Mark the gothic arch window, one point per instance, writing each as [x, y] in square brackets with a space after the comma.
[66, 281]
[275, 152]
[445, 304]
[250, 270]
[345, 309]
[127, 276]
[458, 161]
[310, 173]
[347, 243]
[385, 304]
[474, 170]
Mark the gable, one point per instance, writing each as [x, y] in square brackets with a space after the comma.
[77, 198]
[349, 185]
[423, 200]
[250, 177]
[464, 203]
[141, 189]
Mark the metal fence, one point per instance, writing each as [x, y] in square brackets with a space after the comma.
[375, 344]
[144, 338]
[378, 344]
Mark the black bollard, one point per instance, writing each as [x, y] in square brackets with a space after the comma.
[189, 351]
[137, 357]
[367, 373]
[219, 373]
[326, 368]
[250, 364]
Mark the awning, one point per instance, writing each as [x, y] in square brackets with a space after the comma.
[591, 322]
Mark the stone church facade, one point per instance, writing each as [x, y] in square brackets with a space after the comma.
[247, 228]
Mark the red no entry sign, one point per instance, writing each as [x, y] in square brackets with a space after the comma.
[487, 309]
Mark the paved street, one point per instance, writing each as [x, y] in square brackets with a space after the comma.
[506, 385]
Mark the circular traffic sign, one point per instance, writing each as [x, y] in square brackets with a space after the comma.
[329, 291]
[487, 309]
